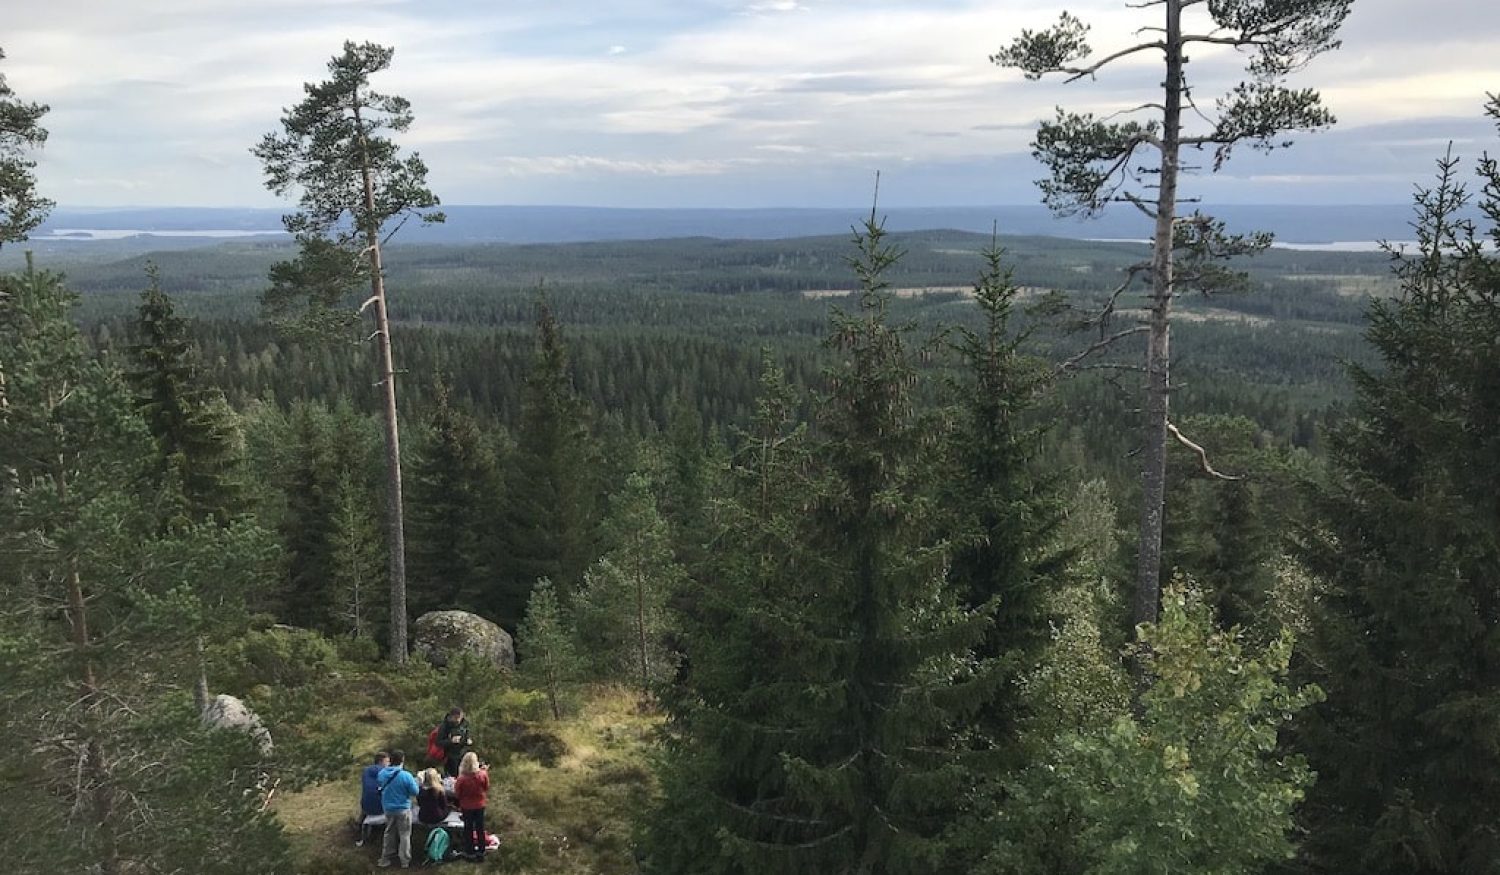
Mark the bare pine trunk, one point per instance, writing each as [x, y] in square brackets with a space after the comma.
[200, 685]
[640, 628]
[96, 795]
[395, 514]
[395, 518]
[1158, 348]
[553, 682]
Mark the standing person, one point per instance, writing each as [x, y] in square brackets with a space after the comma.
[473, 795]
[369, 784]
[432, 802]
[456, 741]
[369, 791]
[397, 787]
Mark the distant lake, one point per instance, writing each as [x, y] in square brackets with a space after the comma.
[1340, 246]
[88, 234]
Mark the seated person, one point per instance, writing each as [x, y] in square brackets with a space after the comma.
[432, 801]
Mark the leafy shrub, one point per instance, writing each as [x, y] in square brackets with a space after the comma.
[279, 656]
[360, 651]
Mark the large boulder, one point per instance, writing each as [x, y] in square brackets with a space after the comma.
[440, 636]
[228, 712]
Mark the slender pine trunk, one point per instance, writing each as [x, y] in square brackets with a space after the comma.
[96, 796]
[395, 514]
[640, 628]
[1158, 347]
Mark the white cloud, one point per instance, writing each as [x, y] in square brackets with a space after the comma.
[162, 98]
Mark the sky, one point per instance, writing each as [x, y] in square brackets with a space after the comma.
[700, 103]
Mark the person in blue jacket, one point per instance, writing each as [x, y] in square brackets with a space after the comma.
[397, 789]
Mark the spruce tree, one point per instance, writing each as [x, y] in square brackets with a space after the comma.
[551, 504]
[732, 711]
[1005, 513]
[195, 434]
[838, 755]
[311, 484]
[356, 557]
[1407, 633]
[455, 502]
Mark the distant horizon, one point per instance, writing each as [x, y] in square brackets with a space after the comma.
[556, 223]
[776, 208]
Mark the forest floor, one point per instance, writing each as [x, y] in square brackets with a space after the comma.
[564, 794]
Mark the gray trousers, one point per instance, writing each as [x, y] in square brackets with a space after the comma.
[397, 829]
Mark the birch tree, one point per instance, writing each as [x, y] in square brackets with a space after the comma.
[1135, 157]
[354, 190]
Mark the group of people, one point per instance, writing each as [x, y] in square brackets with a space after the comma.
[388, 789]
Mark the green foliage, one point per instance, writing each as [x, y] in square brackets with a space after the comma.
[622, 611]
[331, 145]
[324, 467]
[1224, 535]
[823, 693]
[471, 682]
[196, 440]
[1406, 622]
[454, 516]
[356, 589]
[98, 744]
[1193, 783]
[552, 485]
[1004, 512]
[549, 659]
[21, 209]
[279, 656]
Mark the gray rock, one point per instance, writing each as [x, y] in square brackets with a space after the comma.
[228, 712]
[439, 636]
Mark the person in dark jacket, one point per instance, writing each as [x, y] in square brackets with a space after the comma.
[456, 741]
[432, 801]
[369, 785]
[369, 794]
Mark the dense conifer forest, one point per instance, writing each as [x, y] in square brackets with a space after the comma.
[817, 554]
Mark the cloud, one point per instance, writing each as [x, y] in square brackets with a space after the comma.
[791, 99]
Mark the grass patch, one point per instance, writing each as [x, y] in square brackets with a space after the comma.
[564, 795]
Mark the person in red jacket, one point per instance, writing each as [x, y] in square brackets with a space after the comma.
[473, 788]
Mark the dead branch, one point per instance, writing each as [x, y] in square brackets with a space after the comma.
[1202, 455]
[1072, 362]
[1076, 73]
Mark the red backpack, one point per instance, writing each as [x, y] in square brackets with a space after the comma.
[434, 750]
